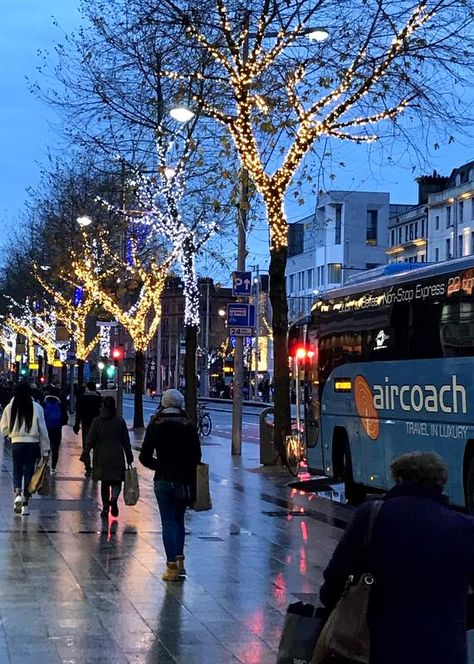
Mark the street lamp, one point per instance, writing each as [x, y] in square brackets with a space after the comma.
[317, 34]
[84, 221]
[181, 114]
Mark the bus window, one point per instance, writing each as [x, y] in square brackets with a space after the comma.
[457, 328]
[425, 337]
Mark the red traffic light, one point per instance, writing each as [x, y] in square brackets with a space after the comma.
[117, 353]
[304, 353]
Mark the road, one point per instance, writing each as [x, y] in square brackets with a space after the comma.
[221, 416]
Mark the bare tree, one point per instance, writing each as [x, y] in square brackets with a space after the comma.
[385, 68]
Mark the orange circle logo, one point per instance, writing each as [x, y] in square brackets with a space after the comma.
[364, 402]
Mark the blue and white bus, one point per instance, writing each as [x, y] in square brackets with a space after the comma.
[392, 371]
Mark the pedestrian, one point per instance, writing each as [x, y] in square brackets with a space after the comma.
[422, 558]
[23, 422]
[109, 440]
[172, 449]
[88, 408]
[56, 416]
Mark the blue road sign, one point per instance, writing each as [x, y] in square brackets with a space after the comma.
[240, 314]
[241, 284]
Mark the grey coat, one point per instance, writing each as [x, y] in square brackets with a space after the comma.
[108, 438]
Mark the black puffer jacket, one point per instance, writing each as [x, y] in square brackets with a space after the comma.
[171, 447]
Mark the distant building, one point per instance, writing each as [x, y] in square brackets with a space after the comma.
[408, 227]
[451, 216]
[348, 233]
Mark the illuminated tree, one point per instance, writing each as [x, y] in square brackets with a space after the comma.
[73, 313]
[376, 59]
[130, 291]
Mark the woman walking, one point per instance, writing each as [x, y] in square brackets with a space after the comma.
[172, 449]
[108, 438]
[23, 422]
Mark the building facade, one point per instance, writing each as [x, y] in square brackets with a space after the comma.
[348, 233]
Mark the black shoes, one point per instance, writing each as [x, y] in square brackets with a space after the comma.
[105, 513]
[114, 510]
[88, 472]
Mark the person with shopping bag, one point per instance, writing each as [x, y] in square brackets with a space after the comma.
[23, 422]
[110, 444]
[172, 449]
[419, 555]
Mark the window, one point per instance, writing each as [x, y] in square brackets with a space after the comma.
[436, 255]
[300, 282]
[406, 233]
[472, 242]
[448, 248]
[338, 225]
[448, 217]
[321, 275]
[460, 211]
[292, 283]
[371, 230]
[422, 228]
[437, 222]
[411, 231]
[334, 273]
[309, 279]
[460, 253]
[371, 266]
[392, 238]
[400, 235]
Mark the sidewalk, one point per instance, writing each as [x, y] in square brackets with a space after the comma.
[75, 590]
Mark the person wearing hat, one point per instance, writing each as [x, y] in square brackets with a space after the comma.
[172, 449]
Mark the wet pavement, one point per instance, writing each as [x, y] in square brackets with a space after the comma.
[74, 589]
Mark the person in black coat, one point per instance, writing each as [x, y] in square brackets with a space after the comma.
[172, 449]
[88, 408]
[109, 439]
[422, 557]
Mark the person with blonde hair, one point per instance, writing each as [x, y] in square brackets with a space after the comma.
[422, 558]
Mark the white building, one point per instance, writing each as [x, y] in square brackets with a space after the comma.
[348, 233]
[451, 217]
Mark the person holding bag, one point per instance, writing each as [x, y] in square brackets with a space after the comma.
[23, 422]
[109, 439]
[421, 563]
[172, 449]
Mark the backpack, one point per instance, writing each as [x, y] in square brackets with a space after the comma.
[52, 414]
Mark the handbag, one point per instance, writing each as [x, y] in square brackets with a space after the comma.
[37, 479]
[131, 491]
[302, 626]
[203, 494]
[44, 487]
[346, 632]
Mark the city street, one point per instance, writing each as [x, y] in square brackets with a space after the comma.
[76, 590]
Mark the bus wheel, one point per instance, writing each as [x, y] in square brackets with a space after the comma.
[355, 492]
[470, 488]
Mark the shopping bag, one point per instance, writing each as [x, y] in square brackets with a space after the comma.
[131, 491]
[44, 487]
[37, 477]
[203, 494]
[303, 624]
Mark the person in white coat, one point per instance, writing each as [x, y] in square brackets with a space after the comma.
[23, 422]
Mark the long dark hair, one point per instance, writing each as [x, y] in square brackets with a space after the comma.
[22, 407]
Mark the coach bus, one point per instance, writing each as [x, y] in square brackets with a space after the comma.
[392, 371]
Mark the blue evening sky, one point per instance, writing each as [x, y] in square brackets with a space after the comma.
[28, 128]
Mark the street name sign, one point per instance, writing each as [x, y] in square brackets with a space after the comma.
[241, 284]
[240, 314]
[240, 331]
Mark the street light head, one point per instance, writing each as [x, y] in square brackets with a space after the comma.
[84, 221]
[181, 114]
[169, 172]
[221, 312]
[318, 34]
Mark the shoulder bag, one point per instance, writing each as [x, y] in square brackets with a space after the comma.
[346, 632]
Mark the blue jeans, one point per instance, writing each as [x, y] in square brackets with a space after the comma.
[24, 457]
[172, 511]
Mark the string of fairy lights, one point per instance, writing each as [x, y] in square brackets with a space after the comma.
[242, 69]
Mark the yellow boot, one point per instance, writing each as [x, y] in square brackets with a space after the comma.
[180, 563]
[171, 573]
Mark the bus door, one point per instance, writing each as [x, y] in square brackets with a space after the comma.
[312, 403]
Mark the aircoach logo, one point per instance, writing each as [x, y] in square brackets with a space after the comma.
[364, 401]
[448, 398]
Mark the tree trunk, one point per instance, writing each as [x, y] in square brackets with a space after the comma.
[281, 377]
[191, 334]
[50, 374]
[138, 422]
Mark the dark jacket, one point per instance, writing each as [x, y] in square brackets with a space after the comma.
[108, 438]
[422, 556]
[88, 408]
[62, 405]
[171, 447]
